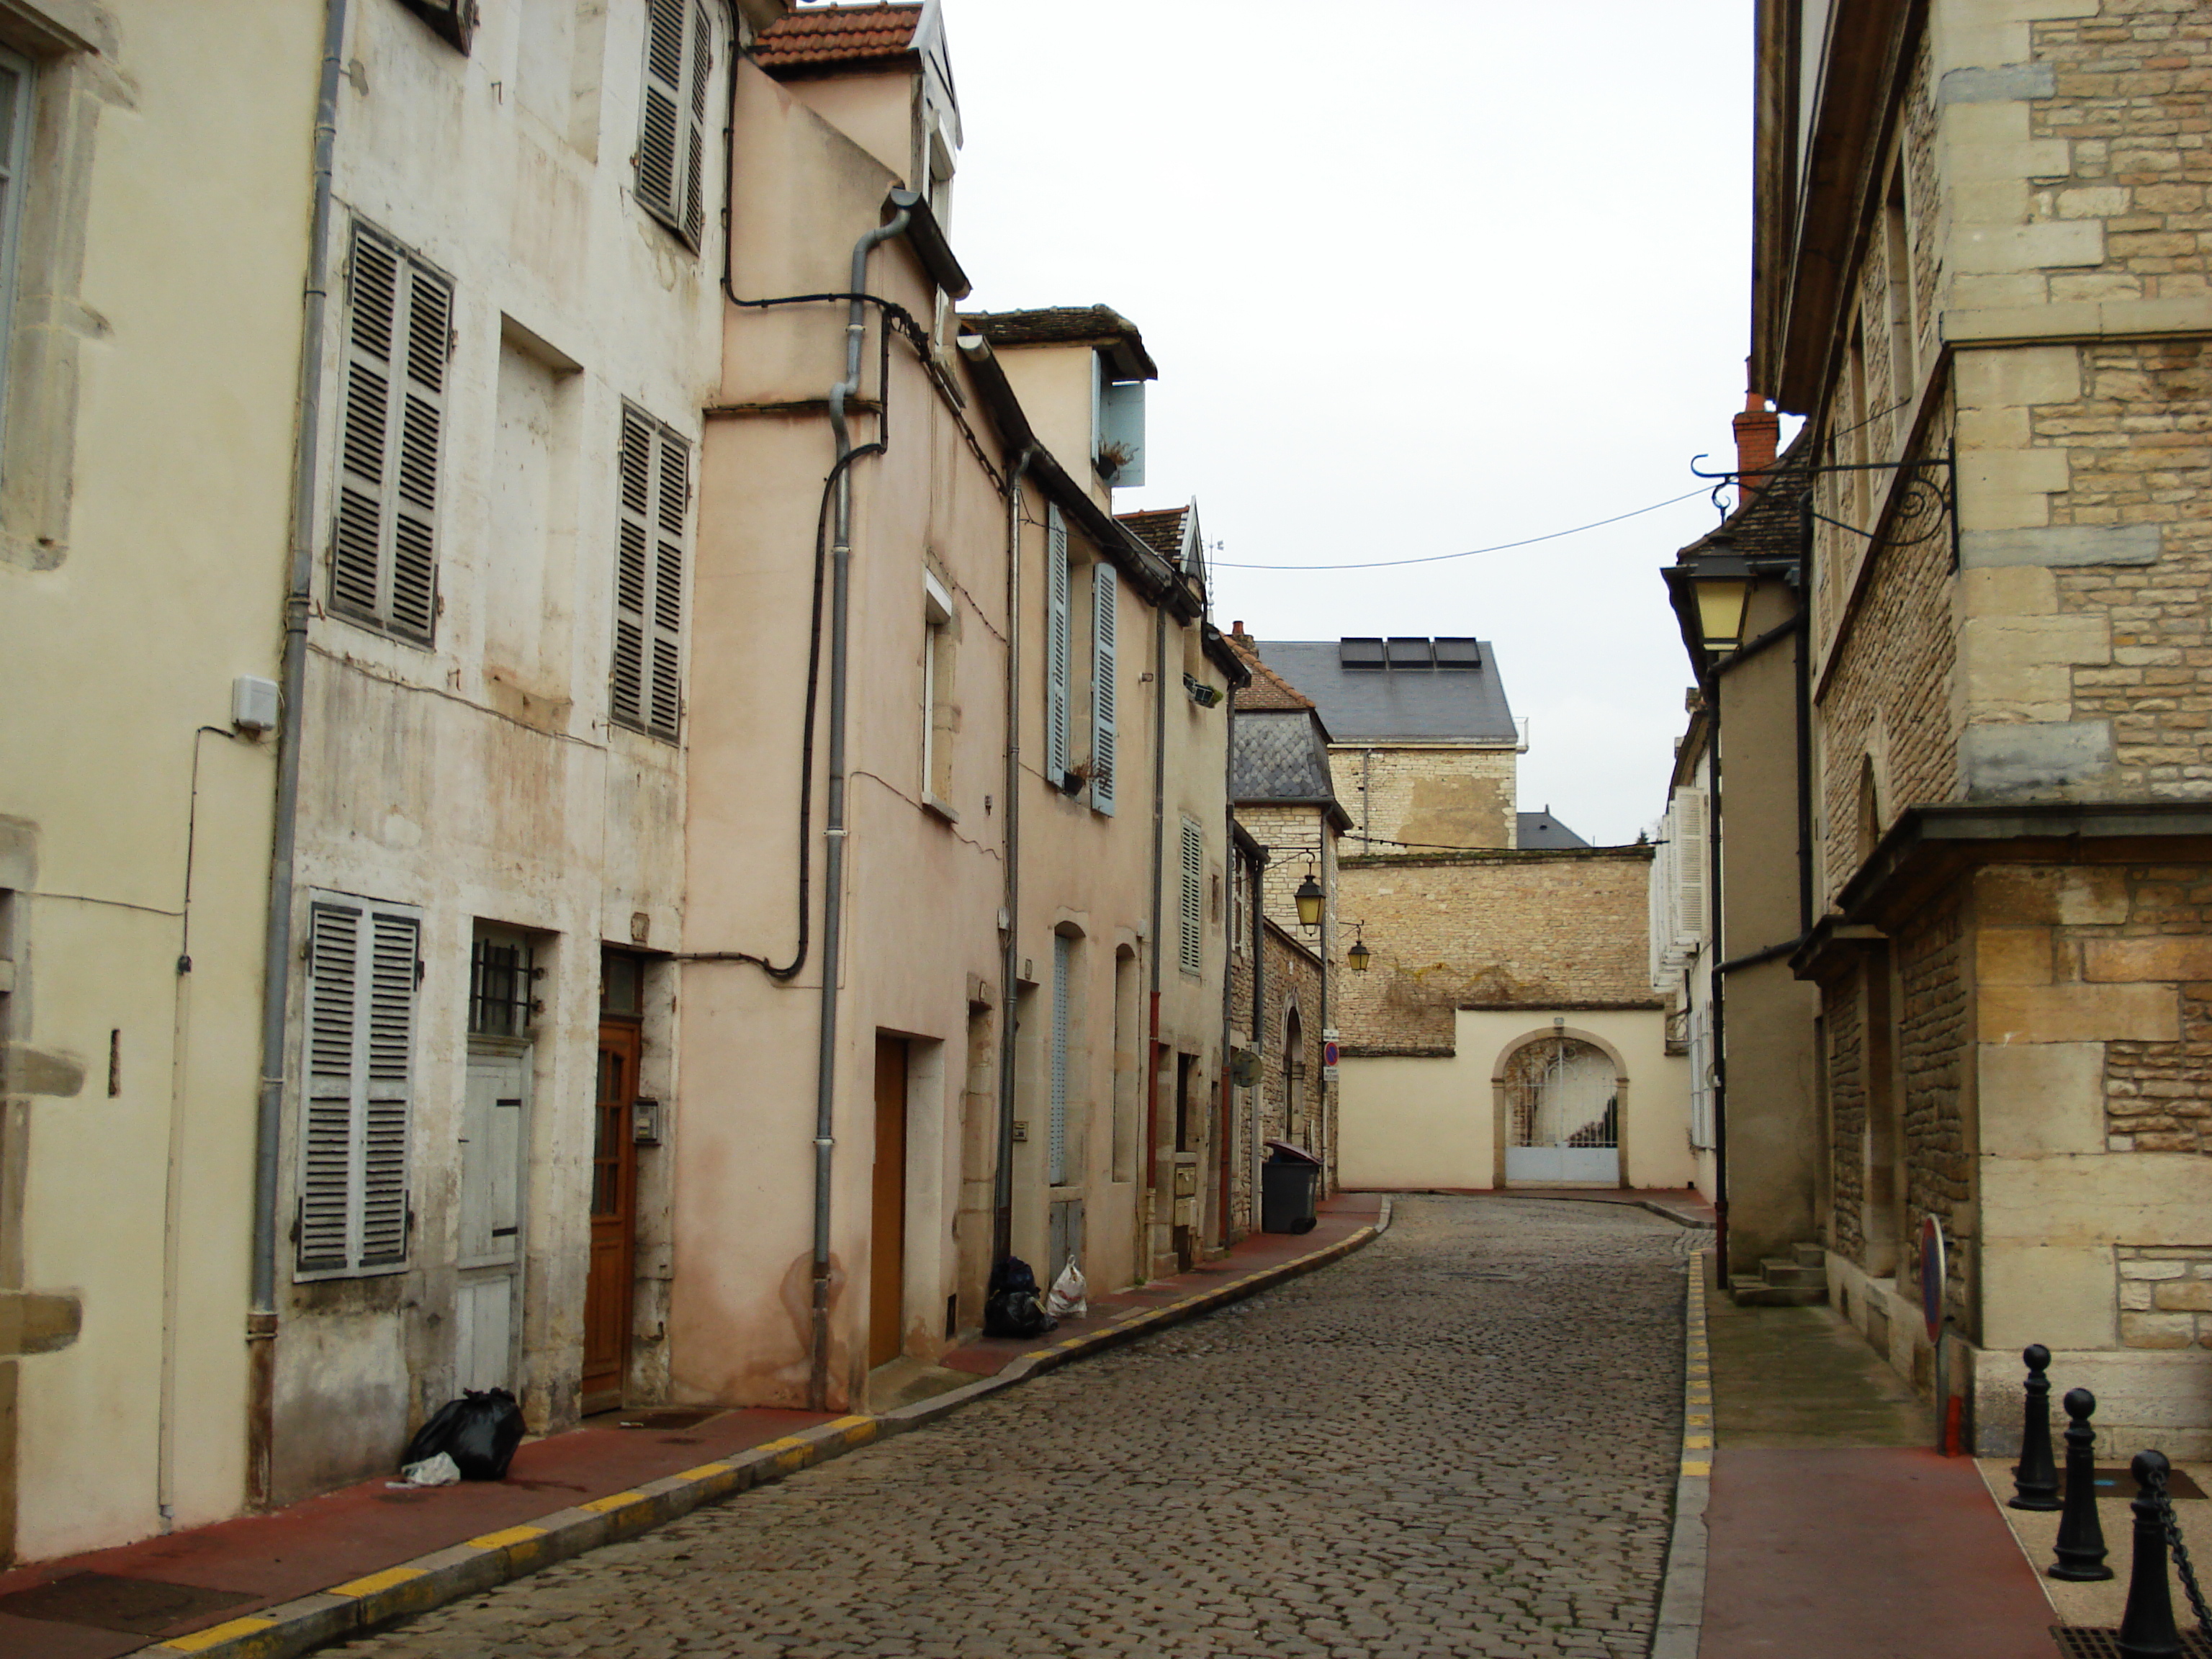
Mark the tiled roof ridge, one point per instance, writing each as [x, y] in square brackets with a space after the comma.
[837, 34]
[1160, 528]
[1268, 689]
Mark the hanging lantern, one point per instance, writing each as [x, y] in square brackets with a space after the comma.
[1359, 957]
[1309, 897]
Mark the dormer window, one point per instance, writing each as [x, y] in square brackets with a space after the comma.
[1117, 425]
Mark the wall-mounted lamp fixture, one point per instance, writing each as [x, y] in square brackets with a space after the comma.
[1358, 956]
[1309, 898]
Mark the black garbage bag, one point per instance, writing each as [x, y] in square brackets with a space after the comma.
[1012, 1306]
[479, 1431]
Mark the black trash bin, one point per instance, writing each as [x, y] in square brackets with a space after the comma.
[1290, 1189]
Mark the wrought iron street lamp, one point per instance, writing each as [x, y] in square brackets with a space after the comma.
[1309, 897]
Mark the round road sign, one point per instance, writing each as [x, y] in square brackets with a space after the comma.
[1932, 1270]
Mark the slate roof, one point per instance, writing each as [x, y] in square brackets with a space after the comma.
[1162, 531]
[1092, 325]
[1400, 700]
[1280, 756]
[836, 35]
[1543, 833]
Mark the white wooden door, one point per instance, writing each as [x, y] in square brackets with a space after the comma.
[494, 1138]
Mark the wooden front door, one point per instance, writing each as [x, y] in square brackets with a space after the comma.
[887, 1223]
[614, 1203]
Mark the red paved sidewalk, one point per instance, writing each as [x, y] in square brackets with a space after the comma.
[360, 1531]
[1863, 1553]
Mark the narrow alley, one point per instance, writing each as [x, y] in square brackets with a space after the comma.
[1460, 1440]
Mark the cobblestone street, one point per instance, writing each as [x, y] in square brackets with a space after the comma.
[1460, 1440]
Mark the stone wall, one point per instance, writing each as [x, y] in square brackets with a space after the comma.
[1931, 1056]
[1844, 1011]
[1497, 930]
[2166, 1297]
[1290, 978]
[1413, 799]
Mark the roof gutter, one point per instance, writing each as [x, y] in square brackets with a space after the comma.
[1158, 580]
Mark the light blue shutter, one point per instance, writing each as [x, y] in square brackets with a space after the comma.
[1055, 648]
[1105, 586]
[1056, 1145]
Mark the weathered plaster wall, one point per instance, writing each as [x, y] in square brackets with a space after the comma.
[143, 528]
[1518, 929]
[1405, 798]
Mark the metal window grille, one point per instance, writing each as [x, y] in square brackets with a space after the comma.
[501, 976]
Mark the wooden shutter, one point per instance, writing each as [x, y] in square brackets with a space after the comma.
[1693, 921]
[646, 683]
[1194, 879]
[1056, 1145]
[1105, 582]
[383, 567]
[671, 144]
[1055, 648]
[361, 972]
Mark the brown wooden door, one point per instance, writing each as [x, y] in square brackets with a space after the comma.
[887, 1225]
[614, 1202]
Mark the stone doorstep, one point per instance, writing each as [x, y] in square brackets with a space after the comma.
[362, 1605]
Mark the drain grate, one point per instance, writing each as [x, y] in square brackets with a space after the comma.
[136, 1607]
[2076, 1642]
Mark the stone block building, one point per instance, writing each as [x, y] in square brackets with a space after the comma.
[1981, 276]
[1502, 1027]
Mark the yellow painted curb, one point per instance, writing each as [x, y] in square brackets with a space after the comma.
[613, 1501]
[216, 1635]
[375, 1582]
[704, 1471]
[502, 1539]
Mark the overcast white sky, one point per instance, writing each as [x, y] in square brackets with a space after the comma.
[1421, 276]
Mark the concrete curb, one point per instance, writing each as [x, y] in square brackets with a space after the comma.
[362, 1605]
[1682, 1592]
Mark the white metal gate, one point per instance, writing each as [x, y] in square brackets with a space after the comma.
[1562, 1115]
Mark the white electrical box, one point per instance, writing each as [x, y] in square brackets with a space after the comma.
[254, 704]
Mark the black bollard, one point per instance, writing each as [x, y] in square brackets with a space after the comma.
[2081, 1535]
[2035, 1477]
[2147, 1629]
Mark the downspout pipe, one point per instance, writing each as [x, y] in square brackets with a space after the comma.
[1002, 1188]
[1159, 871]
[276, 940]
[1224, 1147]
[833, 830]
[1720, 1001]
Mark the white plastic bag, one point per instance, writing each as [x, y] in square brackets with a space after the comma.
[1067, 1298]
[439, 1471]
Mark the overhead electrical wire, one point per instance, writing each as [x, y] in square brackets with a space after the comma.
[1439, 558]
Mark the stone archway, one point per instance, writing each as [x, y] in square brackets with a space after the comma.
[1559, 1101]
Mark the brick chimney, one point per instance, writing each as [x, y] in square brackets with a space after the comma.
[1757, 432]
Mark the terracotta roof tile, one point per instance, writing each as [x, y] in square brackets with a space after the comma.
[1268, 691]
[829, 35]
[1161, 530]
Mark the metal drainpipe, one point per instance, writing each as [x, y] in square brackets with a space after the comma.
[1152, 1022]
[1223, 1149]
[1002, 1195]
[276, 940]
[833, 831]
[1259, 1098]
[1719, 935]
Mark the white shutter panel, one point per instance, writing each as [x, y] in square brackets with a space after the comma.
[697, 69]
[627, 677]
[646, 678]
[384, 565]
[326, 1156]
[671, 143]
[1055, 648]
[361, 1041]
[1193, 878]
[1105, 584]
[1693, 919]
[390, 999]
[1056, 1146]
[663, 718]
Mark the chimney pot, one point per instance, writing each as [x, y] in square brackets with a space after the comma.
[1758, 435]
